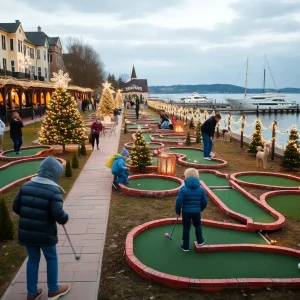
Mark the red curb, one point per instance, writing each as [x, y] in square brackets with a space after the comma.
[235, 176]
[182, 161]
[43, 153]
[209, 285]
[22, 180]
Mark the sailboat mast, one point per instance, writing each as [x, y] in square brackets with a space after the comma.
[264, 88]
[246, 82]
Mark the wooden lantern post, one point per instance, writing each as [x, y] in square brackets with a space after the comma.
[166, 164]
[179, 127]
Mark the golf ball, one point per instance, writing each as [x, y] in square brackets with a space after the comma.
[299, 266]
[139, 184]
[167, 235]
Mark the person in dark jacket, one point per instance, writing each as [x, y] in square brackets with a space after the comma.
[2, 112]
[191, 201]
[16, 126]
[208, 130]
[137, 107]
[39, 203]
[119, 169]
[116, 116]
[95, 132]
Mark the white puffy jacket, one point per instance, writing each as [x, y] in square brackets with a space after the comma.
[2, 127]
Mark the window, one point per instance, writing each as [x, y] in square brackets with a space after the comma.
[33, 70]
[12, 64]
[11, 41]
[25, 49]
[28, 51]
[4, 63]
[39, 71]
[31, 53]
[3, 40]
[45, 55]
[38, 53]
[46, 73]
[20, 46]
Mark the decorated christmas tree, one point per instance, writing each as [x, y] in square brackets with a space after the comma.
[107, 103]
[119, 99]
[198, 132]
[291, 155]
[63, 123]
[256, 137]
[140, 153]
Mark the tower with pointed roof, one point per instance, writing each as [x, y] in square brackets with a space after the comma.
[133, 73]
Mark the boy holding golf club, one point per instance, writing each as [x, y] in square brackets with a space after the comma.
[191, 201]
[39, 203]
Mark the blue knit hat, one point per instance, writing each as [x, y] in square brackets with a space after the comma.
[124, 152]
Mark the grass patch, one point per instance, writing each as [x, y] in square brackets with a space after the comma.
[12, 255]
[118, 281]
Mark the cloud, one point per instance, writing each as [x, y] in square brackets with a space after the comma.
[177, 41]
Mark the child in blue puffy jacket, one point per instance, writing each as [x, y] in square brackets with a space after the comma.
[191, 201]
[119, 169]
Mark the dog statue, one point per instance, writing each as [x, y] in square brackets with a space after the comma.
[227, 134]
[262, 154]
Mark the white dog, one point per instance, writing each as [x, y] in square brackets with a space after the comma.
[227, 134]
[263, 155]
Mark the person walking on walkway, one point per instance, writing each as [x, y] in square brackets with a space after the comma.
[2, 127]
[95, 132]
[208, 130]
[116, 116]
[137, 107]
[39, 203]
[16, 126]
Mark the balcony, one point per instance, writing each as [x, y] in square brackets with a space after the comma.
[20, 75]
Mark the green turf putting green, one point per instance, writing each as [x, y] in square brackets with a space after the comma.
[18, 171]
[154, 184]
[171, 139]
[288, 205]
[211, 179]
[147, 136]
[25, 152]
[193, 156]
[151, 145]
[159, 253]
[269, 179]
[237, 202]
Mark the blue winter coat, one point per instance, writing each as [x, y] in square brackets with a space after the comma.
[119, 165]
[40, 206]
[191, 197]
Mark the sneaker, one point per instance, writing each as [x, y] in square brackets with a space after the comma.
[207, 158]
[115, 185]
[126, 183]
[17, 153]
[200, 244]
[62, 290]
[183, 249]
[37, 296]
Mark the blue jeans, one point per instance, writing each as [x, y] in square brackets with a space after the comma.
[186, 222]
[165, 125]
[17, 143]
[208, 144]
[121, 177]
[32, 271]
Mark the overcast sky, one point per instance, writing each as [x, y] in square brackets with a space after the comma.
[177, 41]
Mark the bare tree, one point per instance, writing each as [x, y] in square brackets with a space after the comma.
[83, 63]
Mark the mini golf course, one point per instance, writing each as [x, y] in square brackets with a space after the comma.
[20, 171]
[193, 157]
[228, 258]
[28, 152]
[267, 180]
[152, 185]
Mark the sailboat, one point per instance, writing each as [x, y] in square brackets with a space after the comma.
[265, 100]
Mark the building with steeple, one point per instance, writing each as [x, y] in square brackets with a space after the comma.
[135, 87]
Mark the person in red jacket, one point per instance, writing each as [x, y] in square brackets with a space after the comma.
[95, 131]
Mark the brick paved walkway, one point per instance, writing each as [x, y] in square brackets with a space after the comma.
[88, 207]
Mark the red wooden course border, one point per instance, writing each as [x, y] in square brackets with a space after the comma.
[209, 285]
[182, 161]
[235, 176]
[151, 193]
[22, 180]
[170, 142]
[47, 151]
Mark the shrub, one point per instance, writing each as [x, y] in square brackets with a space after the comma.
[69, 172]
[75, 163]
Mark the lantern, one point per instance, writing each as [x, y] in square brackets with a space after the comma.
[179, 126]
[166, 164]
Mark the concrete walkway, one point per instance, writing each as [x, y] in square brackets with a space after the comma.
[88, 207]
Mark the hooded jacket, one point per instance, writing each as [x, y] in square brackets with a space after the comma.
[191, 197]
[39, 203]
[119, 165]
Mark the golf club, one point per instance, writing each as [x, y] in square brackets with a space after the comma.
[167, 235]
[77, 256]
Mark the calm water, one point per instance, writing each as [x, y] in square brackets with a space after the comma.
[284, 121]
